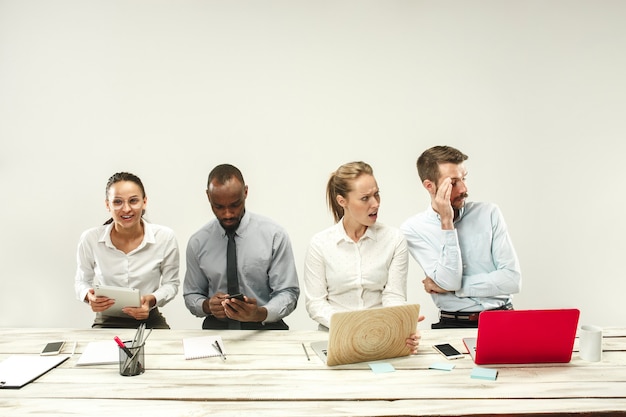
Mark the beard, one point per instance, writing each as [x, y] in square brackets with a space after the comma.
[458, 201]
[230, 227]
[231, 224]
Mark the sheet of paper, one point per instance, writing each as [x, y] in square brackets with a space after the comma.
[102, 352]
[202, 347]
[18, 370]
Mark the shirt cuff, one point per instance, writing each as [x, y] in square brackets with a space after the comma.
[450, 237]
[271, 316]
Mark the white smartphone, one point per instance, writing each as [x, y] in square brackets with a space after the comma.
[52, 348]
[448, 351]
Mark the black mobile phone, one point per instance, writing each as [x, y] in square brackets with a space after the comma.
[52, 348]
[448, 351]
[238, 296]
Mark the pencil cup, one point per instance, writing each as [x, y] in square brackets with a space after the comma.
[131, 360]
[590, 339]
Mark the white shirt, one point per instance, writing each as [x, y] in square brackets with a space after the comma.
[343, 275]
[152, 267]
[475, 261]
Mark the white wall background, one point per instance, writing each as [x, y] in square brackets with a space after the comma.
[533, 91]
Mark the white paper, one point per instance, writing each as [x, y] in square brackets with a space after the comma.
[18, 370]
[202, 347]
[103, 352]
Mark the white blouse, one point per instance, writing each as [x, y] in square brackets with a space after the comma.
[152, 267]
[343, 275]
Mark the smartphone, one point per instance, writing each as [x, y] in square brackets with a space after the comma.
[448, 351]
[52, 348]
[238, 296]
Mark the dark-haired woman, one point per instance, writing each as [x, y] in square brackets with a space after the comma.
[127, 251]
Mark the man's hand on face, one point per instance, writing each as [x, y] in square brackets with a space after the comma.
[441, 203]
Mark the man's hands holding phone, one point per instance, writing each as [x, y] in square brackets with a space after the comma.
[236, 307]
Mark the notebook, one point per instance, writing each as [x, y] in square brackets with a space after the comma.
[18, 370]
[368, 335]
[524, 336]
[202, 347]
[102, 352]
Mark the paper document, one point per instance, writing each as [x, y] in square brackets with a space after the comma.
[103, 352]
[202, 347]
[18, 370]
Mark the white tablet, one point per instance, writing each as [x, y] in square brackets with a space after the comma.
[123, 296]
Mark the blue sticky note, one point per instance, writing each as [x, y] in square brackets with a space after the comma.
[484, 373]
[441, 366]
[381, 367]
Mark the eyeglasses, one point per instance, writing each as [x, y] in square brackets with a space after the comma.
[133, 202]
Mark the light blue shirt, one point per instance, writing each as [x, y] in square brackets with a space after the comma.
[265, 266]
[475, 261]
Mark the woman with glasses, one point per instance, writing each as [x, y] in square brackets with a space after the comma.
[127, 251]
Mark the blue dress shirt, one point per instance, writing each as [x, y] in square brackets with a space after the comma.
[265, 266]
[475, 261]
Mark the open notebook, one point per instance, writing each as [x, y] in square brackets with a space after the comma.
[18, 370]
[368, 335]
[202, 347]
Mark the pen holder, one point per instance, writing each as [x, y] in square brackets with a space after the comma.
[131, 360]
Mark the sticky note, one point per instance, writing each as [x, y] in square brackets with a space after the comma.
[441, 366]
[484, 373]
[381, 367]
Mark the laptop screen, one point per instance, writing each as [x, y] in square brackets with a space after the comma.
[525, 336]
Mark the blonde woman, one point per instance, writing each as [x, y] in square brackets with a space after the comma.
[358, 263]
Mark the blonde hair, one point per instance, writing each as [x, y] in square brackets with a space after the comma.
[340, 183]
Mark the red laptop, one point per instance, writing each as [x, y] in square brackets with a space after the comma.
[524, 336]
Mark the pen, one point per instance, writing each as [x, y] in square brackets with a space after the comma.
[123, 346]
[219, 349]
[306, 353]
[143, 342]
[139, 335]
[128, 362]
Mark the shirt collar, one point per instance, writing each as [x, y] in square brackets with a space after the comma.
[341, 235]
[241, 229]
[148, 235]
[105, 237]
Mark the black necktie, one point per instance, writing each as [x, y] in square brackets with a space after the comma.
[231, 273]
[231, 265]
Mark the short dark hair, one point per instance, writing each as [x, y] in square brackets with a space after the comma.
[224, 172]
[428, 162]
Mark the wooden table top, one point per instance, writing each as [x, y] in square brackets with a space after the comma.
[268, 373]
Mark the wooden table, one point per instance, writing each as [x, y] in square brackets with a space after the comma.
[267, 373]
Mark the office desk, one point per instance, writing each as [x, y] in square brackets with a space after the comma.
[267, 374]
